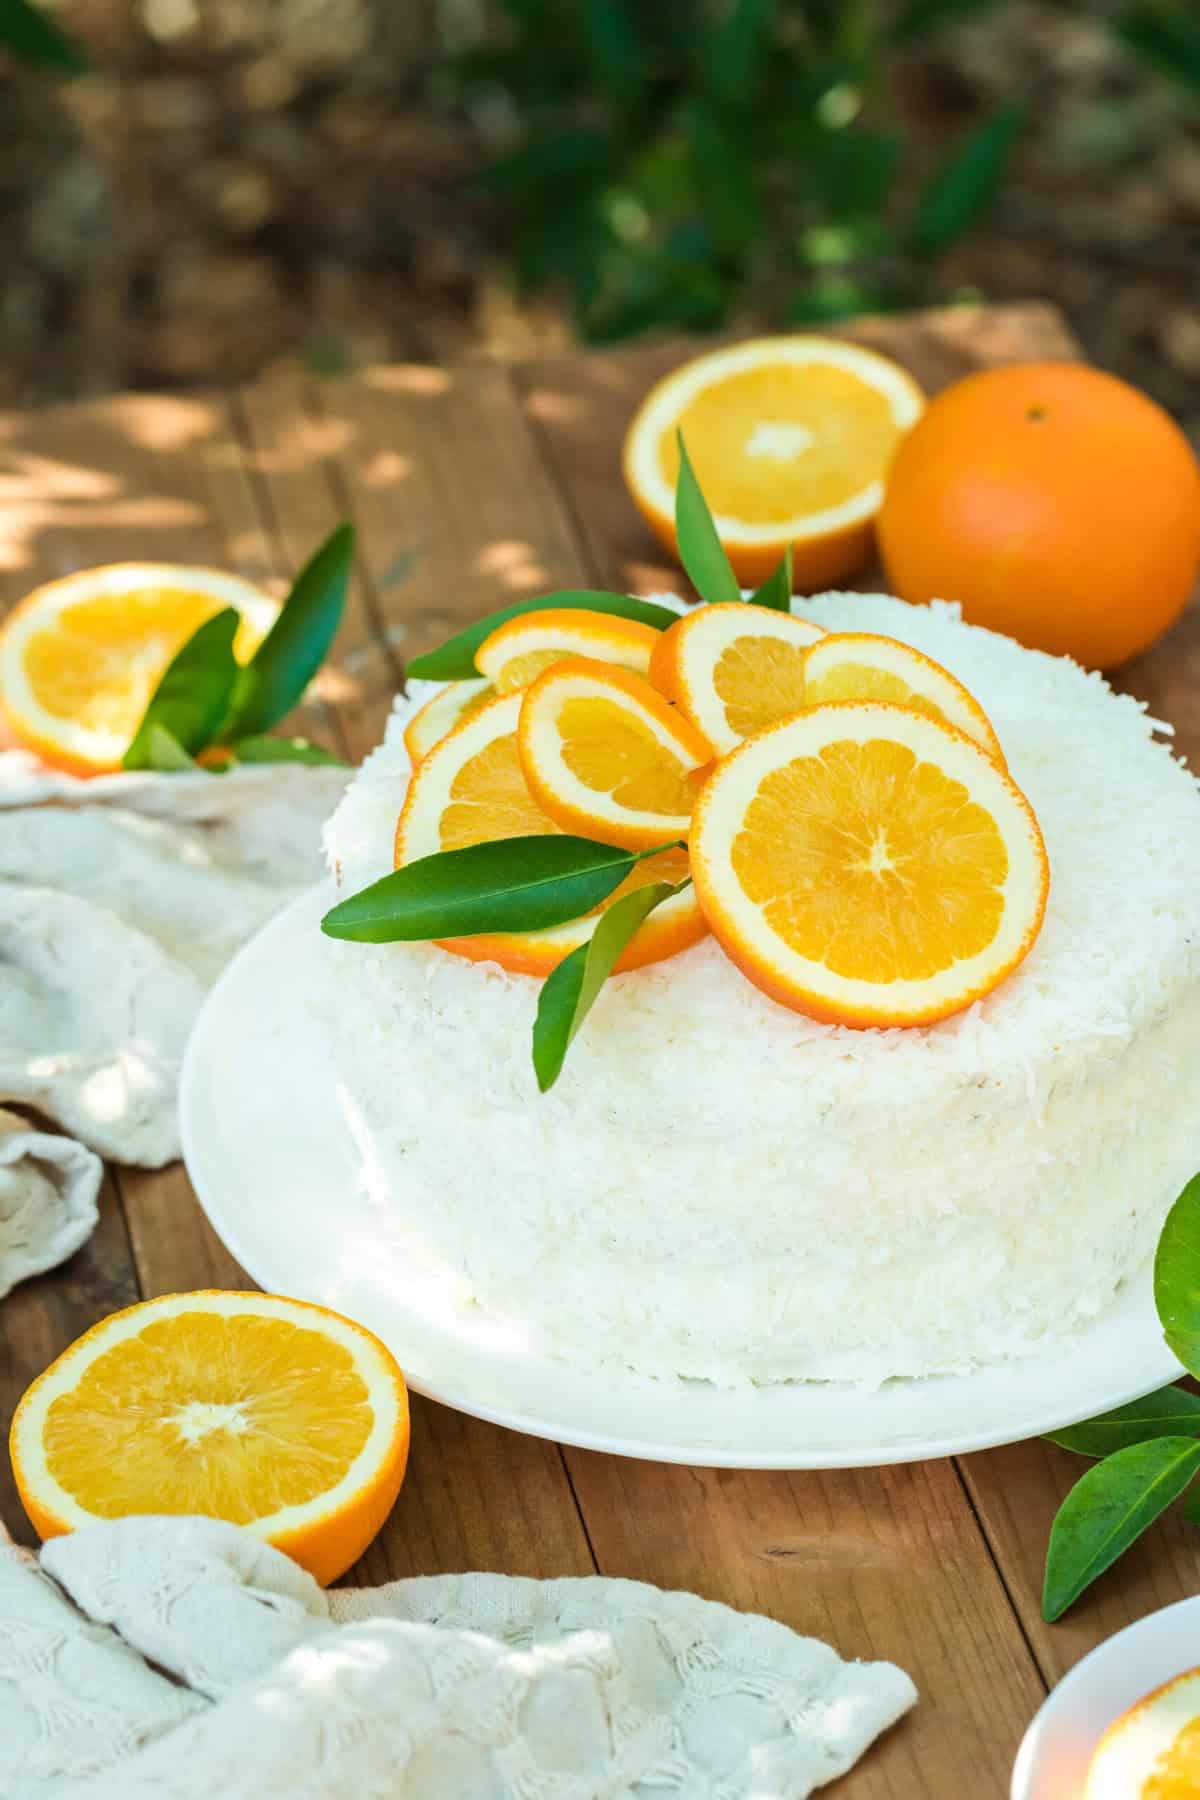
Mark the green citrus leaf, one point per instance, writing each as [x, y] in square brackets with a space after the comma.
[1177, 1277]
[165, 752]
[193, 693]
[776, 590]
[455, 659]
[966, 184]
[33, 36]
[1108, 1509]
[700, 549]
[282, 749]
[570, 989]
[1171, 1412]
[275, 678]
[510, 884]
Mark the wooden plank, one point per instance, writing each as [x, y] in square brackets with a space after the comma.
[41, 1317]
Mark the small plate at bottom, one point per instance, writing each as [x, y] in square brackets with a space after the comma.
[275, 1148]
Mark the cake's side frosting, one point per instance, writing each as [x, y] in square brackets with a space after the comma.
[719, 1187]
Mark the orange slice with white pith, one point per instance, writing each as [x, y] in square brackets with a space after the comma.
[471, 788]
[858, 665]
[790, 439]
[517, 651]
[269, 1413]
[441, 713]
[1152, 1752]
[81, 657]
[868, 865]
[607, 757]
[734, 668]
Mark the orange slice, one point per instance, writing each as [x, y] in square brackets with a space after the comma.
[867, 865]
[441, 713]
[734, 668]
[270, 1413]
[1152, 1752]
[858, 665]
[790, 438]
[607, 757]
[517, 651]
[80, 657]
[471, 788]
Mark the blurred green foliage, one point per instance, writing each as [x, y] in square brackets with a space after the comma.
[32, 36]
[676, 159]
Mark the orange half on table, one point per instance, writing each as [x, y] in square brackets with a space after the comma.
[790, 439]
[81, 657]
[1152, 1752]
[269, 1413]
[470, 789]
[868, 865]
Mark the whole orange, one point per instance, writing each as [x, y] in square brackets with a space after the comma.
[1055, 502]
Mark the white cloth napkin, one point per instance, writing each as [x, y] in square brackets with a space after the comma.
[121, 900]
[48, 1188]
[182, 1658]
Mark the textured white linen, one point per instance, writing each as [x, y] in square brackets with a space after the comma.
[121, 899]
[473, 1687]
[48, 1188]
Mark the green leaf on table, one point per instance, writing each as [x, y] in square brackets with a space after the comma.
[509, 884]
[700, 549]
[32, 34]
[571, 987]
[165, 753]
[1164, 35]
[776, 590]
[966, 184]
[193, 692]
[1170, 1412]
[274, 679]
[920, 17]
[1177, 1277]
[1108, 1509]
[281, 750]
[455, 659]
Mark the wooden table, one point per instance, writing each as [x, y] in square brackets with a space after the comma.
[506, 483]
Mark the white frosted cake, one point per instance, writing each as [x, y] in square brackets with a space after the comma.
[719, 1187]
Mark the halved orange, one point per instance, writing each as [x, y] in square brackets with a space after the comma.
[734, 668]
[790, 438]
[1152, 1752]
[441, 713]
[858, 665]
[520, 649]
[80, 657]
[471, 788]
[868, 865]
[270, 1413]
[607, 757]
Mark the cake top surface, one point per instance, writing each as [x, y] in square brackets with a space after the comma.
[1121, 821]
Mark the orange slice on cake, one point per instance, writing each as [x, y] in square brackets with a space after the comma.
[858, 665]
[517, 651]
[270, 1413]
[734, 668]
[441, 713]
[1152, 1752]
[81, 657]
[790, 438]
[608, 757]
[471, 788]
[868, 865]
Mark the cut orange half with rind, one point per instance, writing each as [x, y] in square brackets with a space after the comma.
[790, 438]
[517, 652]
[471, 788]
[270, 1413]
[1152, 1752]
[81, 657]
[441, 713]
[734, 668]
[859, 665]
[868, 865]
[607, 757]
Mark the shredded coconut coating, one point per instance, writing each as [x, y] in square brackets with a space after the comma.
[718, 1187]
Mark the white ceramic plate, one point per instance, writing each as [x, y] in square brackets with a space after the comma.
[1053, 1760]
[268, 1135]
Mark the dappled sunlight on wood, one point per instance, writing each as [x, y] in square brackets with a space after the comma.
[336, 685]
[512, 563]
[158, 421]
[385, 467]
[554, 407]
[408, 378]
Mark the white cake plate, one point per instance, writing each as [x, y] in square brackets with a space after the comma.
[268, 1138]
